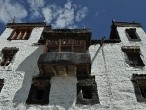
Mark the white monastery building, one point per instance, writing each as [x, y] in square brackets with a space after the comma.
[65, 69]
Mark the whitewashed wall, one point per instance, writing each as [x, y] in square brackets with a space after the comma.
[113, 76]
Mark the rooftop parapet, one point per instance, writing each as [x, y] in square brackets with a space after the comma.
[126, 24]
[14, 25]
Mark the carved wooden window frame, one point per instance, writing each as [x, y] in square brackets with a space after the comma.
[20, 34]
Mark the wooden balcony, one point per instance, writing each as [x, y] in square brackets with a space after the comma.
[64, 63]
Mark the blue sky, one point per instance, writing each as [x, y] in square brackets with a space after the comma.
[94, 14]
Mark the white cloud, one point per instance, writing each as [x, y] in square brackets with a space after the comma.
[64, 17]
[35, 7]
[8, 10]
[34, 4]
[47, 12]
[57, 16]
[81, 13]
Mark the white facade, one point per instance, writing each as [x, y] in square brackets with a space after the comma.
[112, 74]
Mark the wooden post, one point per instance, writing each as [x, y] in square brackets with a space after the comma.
[25, 34]
[46, 47]
[72, 45]
[19, 35]
[59, 45]
[14, 35]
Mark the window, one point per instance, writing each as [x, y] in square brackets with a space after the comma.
[132, 35]
[20, 34]
[53, 42]
[79, 42]
[139, 82]
[8, 54]
[53, 49]
[38, 94]
[65, 48]
[65, 45]
[79, 49]
[87, 91]
[65, 42]
[39, 91]
[143, 92]
[133, 56]
[1, 84]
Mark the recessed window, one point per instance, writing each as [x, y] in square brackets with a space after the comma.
[53, 49]
[87, 92]
[20, 34]
[1, 84]
[133, 57]
[7, 55]
[79, 49]
[139, 82]
[65, 48]
[143, 92]
[132, 35]
[39, 92]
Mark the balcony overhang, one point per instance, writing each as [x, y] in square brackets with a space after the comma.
[64, 58]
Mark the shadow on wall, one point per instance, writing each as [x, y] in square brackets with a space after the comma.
[92, 60]
[63, 91]
[30, 69]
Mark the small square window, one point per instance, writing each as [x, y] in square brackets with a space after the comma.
[87, 92]
[139, 82]
[39, 91]
[7, 55]
[132, 35]
[20, 34]
[133, 57]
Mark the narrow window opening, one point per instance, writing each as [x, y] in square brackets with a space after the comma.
[39, 91]
[87, 91]
[134, 59]
[8, 54]
[139, 83]
[133, 56]
[143, 92]
[131, 34]
[1, 84]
